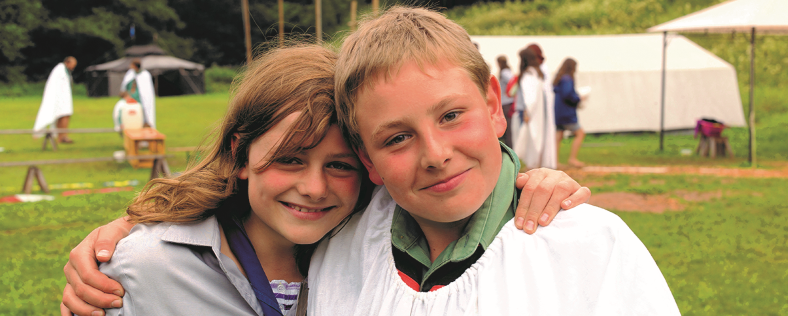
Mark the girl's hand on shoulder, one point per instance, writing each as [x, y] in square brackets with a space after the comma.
[544, 193]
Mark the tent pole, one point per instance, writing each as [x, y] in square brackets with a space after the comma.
[247, 31]
[752, 106]
[662, 102]
[281, 5]
[319, 20]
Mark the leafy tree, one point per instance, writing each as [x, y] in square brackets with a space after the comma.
[17, 18]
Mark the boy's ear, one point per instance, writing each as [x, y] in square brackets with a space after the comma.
[374, 176]
[494, 105]
[244, 173]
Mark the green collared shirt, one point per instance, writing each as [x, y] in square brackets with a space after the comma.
[480, 231]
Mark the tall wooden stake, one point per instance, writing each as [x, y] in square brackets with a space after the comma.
[662, 107]
[353, 9]
[319, 20]
[752, 105]
[375, 7]
[281, 22]
[247, 31]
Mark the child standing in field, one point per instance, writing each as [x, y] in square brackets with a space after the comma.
[566, 103]
[421, 108]
[232, 235]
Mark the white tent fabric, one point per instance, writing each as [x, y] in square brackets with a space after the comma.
[624, 73]
[766, 16]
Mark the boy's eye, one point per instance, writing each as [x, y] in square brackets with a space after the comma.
[397, 139]
[451, 116]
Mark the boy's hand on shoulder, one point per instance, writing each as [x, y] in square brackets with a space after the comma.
[544, 193]
[88, 290]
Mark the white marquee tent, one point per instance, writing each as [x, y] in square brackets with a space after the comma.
[624, 73]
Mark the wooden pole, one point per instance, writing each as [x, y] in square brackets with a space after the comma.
[752, 106]
[319, 20]
[375, 7]
[247, 31]
[281, 22]
[662, 106]
[353, 10]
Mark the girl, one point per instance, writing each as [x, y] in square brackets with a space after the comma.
[277, 180]
[566, 102]
[535, 136]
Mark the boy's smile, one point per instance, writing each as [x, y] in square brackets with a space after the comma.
[432, 138]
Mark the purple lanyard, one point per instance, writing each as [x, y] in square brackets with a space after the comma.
[244, 252]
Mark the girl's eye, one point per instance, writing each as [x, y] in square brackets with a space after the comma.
[451, 116]
[397, 139]
[288, 160]
[341, 166]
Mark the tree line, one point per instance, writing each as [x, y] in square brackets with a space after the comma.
[37, 34]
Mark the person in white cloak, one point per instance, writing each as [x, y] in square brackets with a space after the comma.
[139, 85]
[57, 105]
[535, 143]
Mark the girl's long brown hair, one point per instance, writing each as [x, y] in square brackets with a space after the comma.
[277, 84]
[529, 58]
[567, 68]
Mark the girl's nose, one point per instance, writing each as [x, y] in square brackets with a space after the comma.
[313, 184]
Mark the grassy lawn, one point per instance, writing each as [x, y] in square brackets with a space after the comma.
[722, 256]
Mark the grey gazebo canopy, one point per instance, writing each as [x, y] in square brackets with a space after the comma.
[171, 75]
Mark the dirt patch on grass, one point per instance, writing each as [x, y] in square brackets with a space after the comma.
[634, 202]
[692, 196]
[594, 184]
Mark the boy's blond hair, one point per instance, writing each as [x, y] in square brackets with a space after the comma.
[400, 35]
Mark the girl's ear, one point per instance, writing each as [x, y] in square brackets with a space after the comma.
[244, 173]
[373, 173]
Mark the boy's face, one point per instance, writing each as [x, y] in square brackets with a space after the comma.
[432, 139]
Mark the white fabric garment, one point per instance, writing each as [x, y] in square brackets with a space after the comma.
[57, 99]
[128, 77]
[537, 149]
[517, 123]
[147, 96]
[127, 115]
[587, 262]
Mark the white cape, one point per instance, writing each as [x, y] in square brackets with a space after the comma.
[535, 141]
[587, 262]
[128, 77]
[57, 99]
[147, 96]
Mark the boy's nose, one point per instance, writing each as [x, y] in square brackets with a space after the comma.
[436, 152]
[313, 184]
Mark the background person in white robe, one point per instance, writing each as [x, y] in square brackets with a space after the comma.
[535, 143]
[140, 88]
[57, 105]
[128, 77]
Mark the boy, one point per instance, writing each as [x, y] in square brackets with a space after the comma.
[418, 102]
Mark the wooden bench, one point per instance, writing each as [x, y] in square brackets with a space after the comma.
[713, 147]
[133, 140]
[51, 134]
[159, 168]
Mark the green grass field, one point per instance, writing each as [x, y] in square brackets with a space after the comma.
[724, 256]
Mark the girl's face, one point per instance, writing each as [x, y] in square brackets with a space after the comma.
[297, 200]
